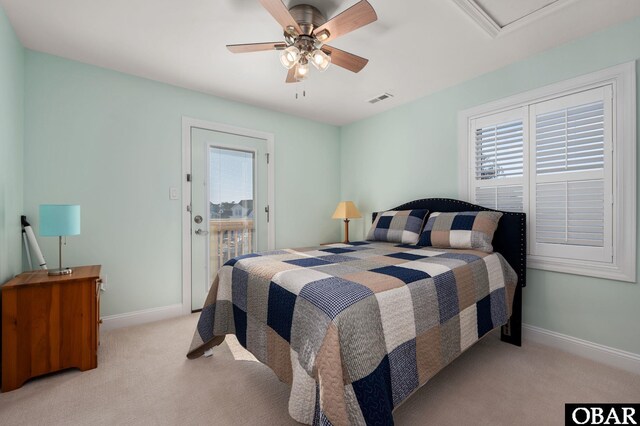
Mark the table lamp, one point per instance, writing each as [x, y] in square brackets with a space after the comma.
[346, 210]
[59, 220]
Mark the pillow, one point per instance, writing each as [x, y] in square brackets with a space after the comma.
[398, 226]
[461, 230]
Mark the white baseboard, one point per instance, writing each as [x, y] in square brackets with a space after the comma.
[614, 357]
[140, 317]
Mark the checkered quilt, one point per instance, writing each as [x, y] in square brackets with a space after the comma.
[355, 329]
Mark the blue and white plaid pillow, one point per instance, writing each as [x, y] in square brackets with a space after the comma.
[398, 226]
[461, 230]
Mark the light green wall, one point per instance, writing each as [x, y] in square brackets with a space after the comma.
[112, 143]
[11, 147]
[411, 152]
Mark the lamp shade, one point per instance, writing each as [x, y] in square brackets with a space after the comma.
[59, 220]
[346, 210]
[301, 71]
[290, 57]
[320, 60]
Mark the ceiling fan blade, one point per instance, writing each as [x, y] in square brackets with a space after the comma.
[358, 15]
[255, 47]
[344, 59]
[291, 76]
[280, 13]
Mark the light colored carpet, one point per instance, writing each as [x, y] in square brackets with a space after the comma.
[143, 378]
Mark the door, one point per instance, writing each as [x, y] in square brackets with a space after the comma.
[229, 203]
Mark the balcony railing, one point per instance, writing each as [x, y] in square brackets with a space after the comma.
[228, 238]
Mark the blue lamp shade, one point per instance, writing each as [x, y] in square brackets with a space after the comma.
[59, 220]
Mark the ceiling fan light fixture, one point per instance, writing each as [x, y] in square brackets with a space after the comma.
[306, 30]
[302, 70]
[323, 35]
[291, 30]
[289, 57]
[320, 60]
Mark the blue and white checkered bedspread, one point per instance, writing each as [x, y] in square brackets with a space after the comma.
[355, 329]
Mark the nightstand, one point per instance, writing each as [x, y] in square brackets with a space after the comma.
[49, 323]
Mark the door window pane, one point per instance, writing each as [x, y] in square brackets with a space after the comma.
[231, 205]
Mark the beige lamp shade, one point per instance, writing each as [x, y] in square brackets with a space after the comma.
[346, 210]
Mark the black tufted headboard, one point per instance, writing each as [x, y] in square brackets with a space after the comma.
[510, 240]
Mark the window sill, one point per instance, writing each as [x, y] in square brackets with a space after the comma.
[609, 271]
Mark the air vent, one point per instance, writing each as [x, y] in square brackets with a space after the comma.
[380, 98]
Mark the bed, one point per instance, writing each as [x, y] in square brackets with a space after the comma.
[356, 328]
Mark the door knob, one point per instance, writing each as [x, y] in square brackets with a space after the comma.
[201, 232]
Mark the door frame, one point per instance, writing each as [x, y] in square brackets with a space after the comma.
[187, 124]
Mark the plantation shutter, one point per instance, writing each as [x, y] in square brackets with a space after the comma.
[571, 179]
[498, 160]
[506, 198]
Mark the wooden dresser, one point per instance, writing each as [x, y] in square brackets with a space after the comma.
[49, 323]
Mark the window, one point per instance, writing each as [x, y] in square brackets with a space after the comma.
[571, 176]
[499, 160]
[565, 155]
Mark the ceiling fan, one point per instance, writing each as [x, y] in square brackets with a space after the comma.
[306, 30]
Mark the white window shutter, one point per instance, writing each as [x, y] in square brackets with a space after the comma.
[486, 197]
[498, 160]
[571, 213]
[572, 180]
[510, 198]
[571, 139]
[499, 150]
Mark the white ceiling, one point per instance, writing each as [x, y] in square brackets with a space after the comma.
[415, 48]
